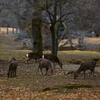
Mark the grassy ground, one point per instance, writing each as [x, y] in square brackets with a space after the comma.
[59, 86]
[27, 85]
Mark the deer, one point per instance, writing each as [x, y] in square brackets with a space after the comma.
[88, 65]
[12, 69]
[53, 58]
[33, 55]
[44, 63]
[11, 59]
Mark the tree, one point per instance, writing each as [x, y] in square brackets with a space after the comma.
[81, 23]
[21, 14]
[77, 15]
[37, 37]
[54, 12]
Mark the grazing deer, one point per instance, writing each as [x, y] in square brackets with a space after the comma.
[34, 56]
[11, 59]
[53, 58]
[12, 69]
[44, 63]
[88, 65]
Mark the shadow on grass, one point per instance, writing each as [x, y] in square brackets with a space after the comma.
[68, 86]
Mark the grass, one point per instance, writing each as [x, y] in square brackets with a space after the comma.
[18, 54]
[32, 82]
[80, 54]
[18, 82]
[45, 83]
[68, 86]
[75, 56]
[64, 84]
[40, 83]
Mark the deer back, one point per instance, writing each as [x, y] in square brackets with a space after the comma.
[53, 58]
[44, 63]
[33, 55]
[13, 66]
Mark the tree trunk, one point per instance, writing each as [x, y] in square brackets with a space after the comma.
[54, 42]
[53, 49]
[37, 37]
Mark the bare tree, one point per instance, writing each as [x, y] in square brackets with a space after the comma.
[15, 14]
[79, 17]
[54, 12]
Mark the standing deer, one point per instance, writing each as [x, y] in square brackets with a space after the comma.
[88, 65]
[44, 63]
[12, 69]
[34, 56]
[53, 58]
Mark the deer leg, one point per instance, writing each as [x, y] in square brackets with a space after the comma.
[11, 74]
[15, 73]
[34, 62]
[54, 67]
[8, 74]
[41, 71]
[90, 73]
[93, 73]
[46, 71]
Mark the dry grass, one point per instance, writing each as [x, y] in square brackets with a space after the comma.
[87, 40]
[89, 44]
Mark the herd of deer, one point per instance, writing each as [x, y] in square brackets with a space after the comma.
[45, 60]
